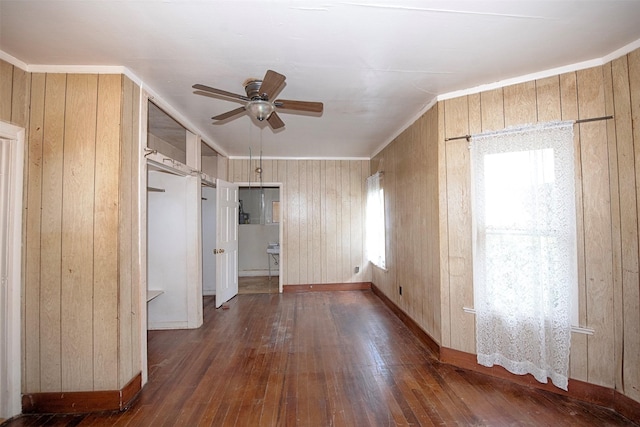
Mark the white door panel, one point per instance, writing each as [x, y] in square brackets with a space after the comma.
[226, 251]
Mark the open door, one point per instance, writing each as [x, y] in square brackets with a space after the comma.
[226, 251]
[11, 177]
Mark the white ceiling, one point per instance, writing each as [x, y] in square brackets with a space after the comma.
[374, 64]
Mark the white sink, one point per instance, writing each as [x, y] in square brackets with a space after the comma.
[273, 248]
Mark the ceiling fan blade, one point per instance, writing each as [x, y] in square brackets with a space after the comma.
[229, 114]
[312, 107]
[275, 121]
[271, 83]
[220, 92]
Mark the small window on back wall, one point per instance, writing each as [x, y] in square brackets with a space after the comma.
[375, 224]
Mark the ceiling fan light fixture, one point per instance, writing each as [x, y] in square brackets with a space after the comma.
[260, 109]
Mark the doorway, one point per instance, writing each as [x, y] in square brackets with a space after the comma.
[259, 237]
[11, 180]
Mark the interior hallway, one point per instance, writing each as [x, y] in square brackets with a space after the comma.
[320, 359]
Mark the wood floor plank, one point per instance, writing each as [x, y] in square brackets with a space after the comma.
[319, 359]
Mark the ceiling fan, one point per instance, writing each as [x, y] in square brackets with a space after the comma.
[258, 100]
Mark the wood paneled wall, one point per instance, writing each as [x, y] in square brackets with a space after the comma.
[410, 182]
[322, 203]
[14, 95]
[607, 200]
[80, 297]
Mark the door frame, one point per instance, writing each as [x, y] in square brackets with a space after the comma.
[281, 225]
[11, 338]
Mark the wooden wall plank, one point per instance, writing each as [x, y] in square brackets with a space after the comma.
[20, 97]
[548, 99]
[422, 161]
[401, 227]
[293, 223]
[127, 198]
[6, 90]
[329, 209]
[520, 104]
[616, 249]
[134, 354]
[431, 273]
[459, 220]
[51, 238]
[105, 257]
[569, 96]
[303, 216]
[443, 225]
[77, 237]
[492, 104]
[316, 219]
[597, 227]
[626, 294]
[31, 380]
[569, 109]
[416, 195]
[338, 216]
[359, 172]
[344, 237]
[630, 177]
[475, 114]
[456, 117]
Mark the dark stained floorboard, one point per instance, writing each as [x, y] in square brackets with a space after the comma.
[320, 359]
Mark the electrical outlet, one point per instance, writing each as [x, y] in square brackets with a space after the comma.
[357, 269]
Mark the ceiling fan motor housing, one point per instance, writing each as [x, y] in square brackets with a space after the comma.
[252, 87]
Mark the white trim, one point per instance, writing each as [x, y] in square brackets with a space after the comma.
[522, 79]
[11, 403]
[76, 69]
[621, 52]
[114, 69]
[143, 108]
[297, 158]
[406, 126]
[13, 60]
[574, 329]
[515, 80]
[543, 74]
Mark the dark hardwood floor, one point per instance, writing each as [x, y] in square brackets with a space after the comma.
[320, 359]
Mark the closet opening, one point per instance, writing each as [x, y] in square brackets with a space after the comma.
[172, 242]
[259, 239]
[208, 215]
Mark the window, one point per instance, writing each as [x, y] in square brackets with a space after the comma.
[375, 226]
[525, 274]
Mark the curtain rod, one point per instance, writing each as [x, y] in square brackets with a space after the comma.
[595, 119]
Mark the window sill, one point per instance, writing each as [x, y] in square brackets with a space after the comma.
[574, 329]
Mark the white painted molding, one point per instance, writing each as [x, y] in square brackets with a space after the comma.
[13, 60]
[406, 126]
[515, 80]
[10, 347]
[297, 158]
[76, 69]
[575, 329]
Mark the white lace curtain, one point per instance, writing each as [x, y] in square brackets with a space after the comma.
[525, 249]
[375, 227]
